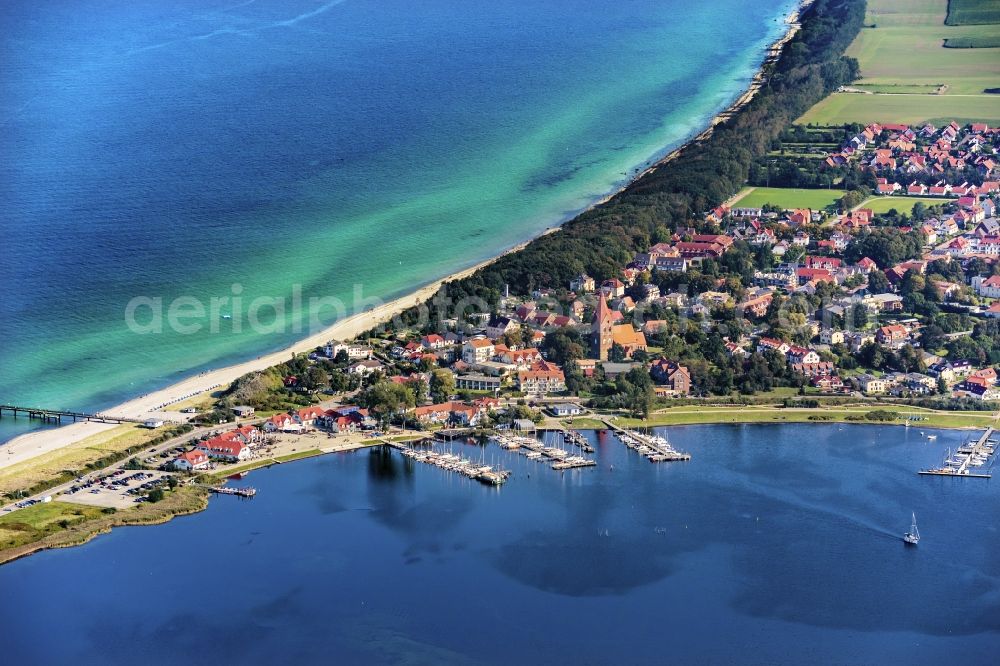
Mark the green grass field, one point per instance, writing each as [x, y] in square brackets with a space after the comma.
[31, 524]
[902, 204]
[973, 12]
[904, 52]
[900, 88]
[788, 198]
[706, 415]
[840, 108]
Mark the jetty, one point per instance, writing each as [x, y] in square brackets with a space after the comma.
[57, 415]
[967, 456]
[654, 447]
[239, 492]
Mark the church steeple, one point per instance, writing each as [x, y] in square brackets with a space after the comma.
[600, 330]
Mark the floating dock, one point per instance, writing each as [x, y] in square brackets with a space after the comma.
[573, 464]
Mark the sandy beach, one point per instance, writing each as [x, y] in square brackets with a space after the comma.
[157, 404]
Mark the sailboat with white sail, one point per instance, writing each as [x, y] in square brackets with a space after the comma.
[912, 538]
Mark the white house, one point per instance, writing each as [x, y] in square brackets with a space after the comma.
[364, 368]
[477, 350]
[191, 460]
[566, 409]
[988, 287]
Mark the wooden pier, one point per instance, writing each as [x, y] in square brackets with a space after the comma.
[239, 492]
[57, 415]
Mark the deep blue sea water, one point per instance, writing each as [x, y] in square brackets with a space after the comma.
[168, 149]
[774, 545]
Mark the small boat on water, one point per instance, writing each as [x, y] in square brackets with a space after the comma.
[912, 538]
[931, 436]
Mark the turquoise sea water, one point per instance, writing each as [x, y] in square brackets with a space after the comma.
[168, 149]
[773, 545]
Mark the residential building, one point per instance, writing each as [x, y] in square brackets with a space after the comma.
[673, 375]
[191, 460]
[988, 287]
[765, 344]
[582, 283]
[541, 380]
[478, 383]
[815, 368]
[282, 423]
[796, 354]
[893, 336]
[228, 450]
[498, 326]
[477, 350]
[871, 385]
[364, 368]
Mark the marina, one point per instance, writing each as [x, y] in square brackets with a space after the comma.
[570, 537]
[533, 449]
[451, 462]
[967, 456]
[576, 439]
[654, 447]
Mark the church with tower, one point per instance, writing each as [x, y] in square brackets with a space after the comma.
[601, 331]
[604, 333]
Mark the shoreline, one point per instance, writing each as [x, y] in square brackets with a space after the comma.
[195, 498]
[30, 445]
[772, 53]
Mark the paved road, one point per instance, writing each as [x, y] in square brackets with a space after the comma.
[151, 451]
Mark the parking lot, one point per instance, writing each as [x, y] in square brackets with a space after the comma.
[120, 489]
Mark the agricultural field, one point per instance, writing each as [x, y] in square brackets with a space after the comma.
[901, 204]
[756, 197]
[973, 12]
[974, 42]
[840, 108]
[913, 77]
